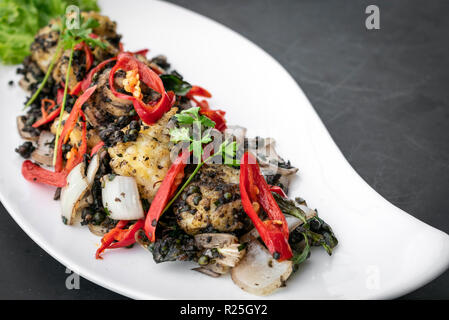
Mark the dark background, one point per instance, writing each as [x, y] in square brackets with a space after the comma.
[383, 95]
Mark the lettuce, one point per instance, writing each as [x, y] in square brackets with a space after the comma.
[20, 20]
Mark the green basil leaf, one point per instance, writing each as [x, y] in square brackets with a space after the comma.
[175, 84]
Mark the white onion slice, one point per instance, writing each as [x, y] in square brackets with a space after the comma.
[93, 168]
[44, 152]
[72, 193]
[78, 183]
[258, 272]
[121, 198]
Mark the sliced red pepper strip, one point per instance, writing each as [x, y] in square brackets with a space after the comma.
[142, 52]
[52, 116]
[198, 91]
[255, 193]
[278, 190]
[126, 237]
[76, 89]
[148, 113]
[217, 116]
[59, 96]
[46, 118]
[89, 61]
[78, 157]
[97, 147]
[70, 124]
[109, 237]
[263, 194]
[88, 79]
[89, 57]
[34, 173]
[43, 109]
[168, 187]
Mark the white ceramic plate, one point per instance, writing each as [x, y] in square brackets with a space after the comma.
[383, 252]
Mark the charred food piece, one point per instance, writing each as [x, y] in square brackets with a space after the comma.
[104, 107]
[147, 159]
[211, 202]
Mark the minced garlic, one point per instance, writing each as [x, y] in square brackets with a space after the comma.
[132, 84]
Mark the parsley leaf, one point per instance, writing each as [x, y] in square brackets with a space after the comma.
[180, 135]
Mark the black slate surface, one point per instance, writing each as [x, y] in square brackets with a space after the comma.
[382, 94]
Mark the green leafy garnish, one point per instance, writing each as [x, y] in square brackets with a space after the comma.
[200, 124]
[20, 20]
[195, 139]
[314, 231]
[69, 39]
[228, 152]
[175, 84]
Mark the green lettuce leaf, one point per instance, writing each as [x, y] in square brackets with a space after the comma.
[20, 20]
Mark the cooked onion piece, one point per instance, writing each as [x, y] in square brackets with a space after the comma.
[44, 152]
[78, 183]
[226, 245]
[258, 272]
[121, 198]
[93, 168]
[73, 192]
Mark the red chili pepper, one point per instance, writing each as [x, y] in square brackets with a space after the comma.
[70, 124]
[217, 116]
[278, 190]
[148, 113]
[255, 193]
[77, 155]
[126, 237]
[142, 52]
[198, 91]
[76, 89]
[59, 96]
[46, 118]
[89, 57]
[34, 173]
[89, 61]
[109, 237]
[52, 116]
[88, 79]
[166, 190]
[97, 147]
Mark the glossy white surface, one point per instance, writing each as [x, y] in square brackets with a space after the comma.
[383, 252]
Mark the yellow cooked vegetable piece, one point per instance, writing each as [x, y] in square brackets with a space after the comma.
[147, 159]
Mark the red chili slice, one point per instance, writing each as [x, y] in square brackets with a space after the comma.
[168, 187]
[255, 193]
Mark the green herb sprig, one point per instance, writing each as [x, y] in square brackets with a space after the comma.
[69, 39]
[196, 139]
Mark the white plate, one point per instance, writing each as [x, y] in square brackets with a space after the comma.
[383, 252]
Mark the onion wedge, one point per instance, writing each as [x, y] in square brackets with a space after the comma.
[78, 184]
[121, 198]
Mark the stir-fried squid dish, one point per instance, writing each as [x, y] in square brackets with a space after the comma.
[137, 154]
